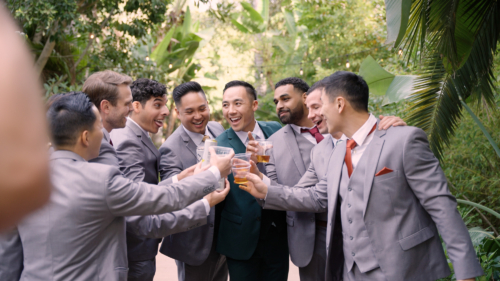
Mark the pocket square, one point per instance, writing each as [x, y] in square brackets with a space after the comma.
[384, 171]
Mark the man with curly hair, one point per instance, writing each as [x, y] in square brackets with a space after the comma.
[139, 160]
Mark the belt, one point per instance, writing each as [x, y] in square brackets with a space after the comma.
[321, 223]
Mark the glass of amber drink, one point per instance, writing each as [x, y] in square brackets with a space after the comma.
[240, 165]
[264, 153]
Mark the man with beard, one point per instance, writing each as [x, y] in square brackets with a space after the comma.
[193, 250]
[298, 106]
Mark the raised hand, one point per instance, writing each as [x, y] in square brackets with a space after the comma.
[390, 121]
[252, 147]
[255, 170]
[223, 163]
[217, 196]
[198, 168]
[255, 186]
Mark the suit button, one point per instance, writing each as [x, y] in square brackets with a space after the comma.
[350, 189]
[350, 221]
[351, 238]
[353, 254]
[211, 225]
[349, 205]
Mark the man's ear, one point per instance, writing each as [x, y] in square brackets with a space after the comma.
[137, 106]
[340, 103]
[104, 106]
[255, 105]
[304, 97]
[176, 111]
[84, 137]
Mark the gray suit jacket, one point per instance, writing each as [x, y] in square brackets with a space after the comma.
[107, 153]
[286, 167]
[139, 160]
[403, 210]
[79, 234]
[11, 255]
[178, 152]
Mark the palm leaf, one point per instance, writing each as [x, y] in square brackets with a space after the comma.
[436, 102]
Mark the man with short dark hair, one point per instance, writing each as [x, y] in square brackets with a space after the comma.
[193, 250]
[297, 156]
[253, 240]
[386, 196]
[139, 160]
[79, 234]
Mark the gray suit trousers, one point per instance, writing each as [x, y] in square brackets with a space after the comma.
[214, 268]
[315, 270]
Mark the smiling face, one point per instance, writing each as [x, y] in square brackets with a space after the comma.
[117, 114]
[151, 115]
[238, 109]
[193, 111]
[314, 104]
[289, 104]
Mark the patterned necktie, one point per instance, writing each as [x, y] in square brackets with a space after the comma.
[314, 132]
[348, 153]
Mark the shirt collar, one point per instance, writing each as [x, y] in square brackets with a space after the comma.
[298, 128]
[362, 133]
[256, 132]
[196, 137]
[105, 134]
[144, 131]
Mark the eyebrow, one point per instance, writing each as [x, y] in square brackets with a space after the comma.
[157, 99]
[235, 100]
[286, 94]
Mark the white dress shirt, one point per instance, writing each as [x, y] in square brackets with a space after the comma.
[196, 137]
[257, 134]
[362, 140]
[306, 135]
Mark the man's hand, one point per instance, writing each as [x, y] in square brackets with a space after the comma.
[390, 121]
[187, 172]
[255, 186]
[198, 168]
[217, 196]
[470, 279]
[252, 147]
[255, 170]
[223, 163]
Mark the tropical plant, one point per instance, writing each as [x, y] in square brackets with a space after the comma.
[454, 43]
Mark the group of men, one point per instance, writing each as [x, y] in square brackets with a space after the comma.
[364, 197]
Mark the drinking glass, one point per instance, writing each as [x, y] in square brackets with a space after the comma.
[264, 151]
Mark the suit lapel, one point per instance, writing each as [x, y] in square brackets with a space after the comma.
[373, 154]
[188, 141]
[292, 146]
[333, 173]
[145, 140]
[235, 141]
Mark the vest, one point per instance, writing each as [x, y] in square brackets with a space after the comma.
[356, 246]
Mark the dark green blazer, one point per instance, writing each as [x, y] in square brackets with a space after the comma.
[241, 216]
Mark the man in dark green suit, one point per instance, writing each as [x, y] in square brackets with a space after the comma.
[253, 240]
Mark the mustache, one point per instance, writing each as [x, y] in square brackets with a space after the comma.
[283, 110]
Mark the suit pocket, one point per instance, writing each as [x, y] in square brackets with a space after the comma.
[386, 176]
[231, 217]
[416, 238]
[289, 221]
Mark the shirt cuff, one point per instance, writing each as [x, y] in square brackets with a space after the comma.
[266, 180]
[215, 171]
[207, 206]
[175, 179]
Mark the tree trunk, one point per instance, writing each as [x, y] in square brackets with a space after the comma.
[44, 56]
[171, 120]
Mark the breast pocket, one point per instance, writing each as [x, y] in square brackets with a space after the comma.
[231, 217]
[391, 175]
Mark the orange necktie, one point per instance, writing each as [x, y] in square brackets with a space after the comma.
[350, 145]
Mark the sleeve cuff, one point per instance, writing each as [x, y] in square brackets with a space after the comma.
[266, 180]
[207, 206]
[175, 179]
[215, 171]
